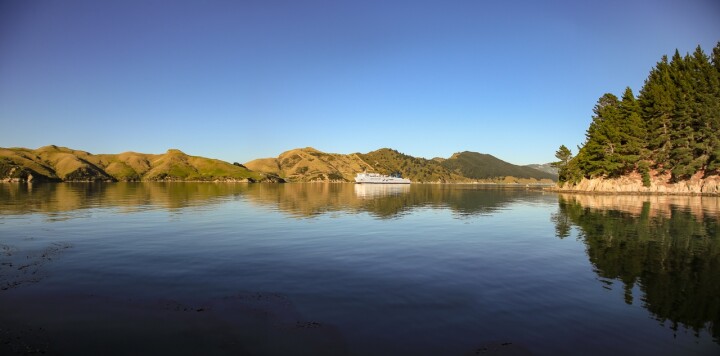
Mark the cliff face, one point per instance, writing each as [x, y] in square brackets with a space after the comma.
[659, 184]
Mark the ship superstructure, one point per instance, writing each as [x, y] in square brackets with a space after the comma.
[376, 178]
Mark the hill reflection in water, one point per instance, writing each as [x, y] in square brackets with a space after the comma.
[668, 247]
[384, 201]
[301, 200]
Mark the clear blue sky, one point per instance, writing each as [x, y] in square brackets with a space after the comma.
[238, 80]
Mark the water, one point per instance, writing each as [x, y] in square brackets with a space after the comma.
[206, 268]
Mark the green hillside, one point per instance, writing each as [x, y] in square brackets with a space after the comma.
[484, 166]
[52, 163]
[311, 165]
[416, 169]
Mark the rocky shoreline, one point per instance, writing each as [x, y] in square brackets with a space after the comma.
[660, 184]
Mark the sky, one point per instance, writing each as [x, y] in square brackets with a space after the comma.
[246, 79]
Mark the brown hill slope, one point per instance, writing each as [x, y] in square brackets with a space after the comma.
[416, 169]
[52, 163]
[310, 165]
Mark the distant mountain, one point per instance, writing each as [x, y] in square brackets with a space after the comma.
[484, 166]
[545, 167]
[309, 164]
[52, 163]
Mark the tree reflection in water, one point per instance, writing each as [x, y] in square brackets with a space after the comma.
[669, 247]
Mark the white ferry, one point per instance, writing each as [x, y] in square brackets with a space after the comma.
[376, 178]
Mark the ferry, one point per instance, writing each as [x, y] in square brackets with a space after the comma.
[376, 178]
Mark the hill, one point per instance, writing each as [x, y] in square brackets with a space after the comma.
[545, 167]
[53, 163]
[484, 166]
[386, 161]
[309, 164]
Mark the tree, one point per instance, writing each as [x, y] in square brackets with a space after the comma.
[674, 124]
[657, 108]
[713, 164]
[600, 156]
[681, 134]
[564, 155]
[633, 133]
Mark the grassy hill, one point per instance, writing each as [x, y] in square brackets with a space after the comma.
[52, 163]
[309, 164]
[416, 169]
[484, 166]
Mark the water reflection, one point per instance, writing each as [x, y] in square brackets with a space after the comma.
[297, 200]
[369, 191]
[57, 198]
[668, 247]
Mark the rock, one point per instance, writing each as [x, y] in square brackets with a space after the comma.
[659, 184]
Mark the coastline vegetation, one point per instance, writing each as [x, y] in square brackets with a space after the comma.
[672, 128]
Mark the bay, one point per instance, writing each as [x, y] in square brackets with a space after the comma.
[223, 268]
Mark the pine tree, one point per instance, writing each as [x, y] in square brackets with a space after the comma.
[712, 100]
[674, 124]
[716, 57]
[600, 156]
[633, 132]
[657, 107]
[681, 130]
[564, 155]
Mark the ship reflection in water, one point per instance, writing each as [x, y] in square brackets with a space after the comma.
[370, 191]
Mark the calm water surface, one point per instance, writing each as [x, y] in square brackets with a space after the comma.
[205, 268]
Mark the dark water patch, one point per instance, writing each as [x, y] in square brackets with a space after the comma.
[26, 266]
[21, 339]
[245, 323]
[500, 348]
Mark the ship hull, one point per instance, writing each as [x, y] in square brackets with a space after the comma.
[366, 182]
[375, 178]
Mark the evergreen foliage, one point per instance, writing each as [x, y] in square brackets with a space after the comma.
[564, 155]
[673, 125]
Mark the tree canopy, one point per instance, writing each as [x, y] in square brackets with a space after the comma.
[672, 125]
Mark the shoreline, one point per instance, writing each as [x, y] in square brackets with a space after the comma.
[642, 193]
[519, 185]
[659, 184]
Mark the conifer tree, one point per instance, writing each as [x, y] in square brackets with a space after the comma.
[681, 133]
[657, 106]
[600, 156]
[713, 165]
[563, 154]
[673, 125]
[632, 133]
